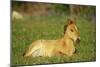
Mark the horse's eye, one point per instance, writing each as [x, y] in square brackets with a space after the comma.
[71, 30]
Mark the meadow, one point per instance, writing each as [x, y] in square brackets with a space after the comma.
[25, 31]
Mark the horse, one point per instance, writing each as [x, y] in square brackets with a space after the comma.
[63, 46]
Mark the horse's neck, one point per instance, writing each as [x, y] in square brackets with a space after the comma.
[67, 40]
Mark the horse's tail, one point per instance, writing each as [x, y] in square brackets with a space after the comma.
[24, 54]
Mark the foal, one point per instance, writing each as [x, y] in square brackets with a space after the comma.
[49, 48]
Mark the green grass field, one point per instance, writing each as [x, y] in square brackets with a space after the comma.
[29, 29]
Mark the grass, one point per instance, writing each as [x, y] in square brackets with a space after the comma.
[29, 29]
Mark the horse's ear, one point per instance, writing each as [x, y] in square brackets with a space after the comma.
[71, 22]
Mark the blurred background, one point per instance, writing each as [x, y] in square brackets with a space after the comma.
[35, 8]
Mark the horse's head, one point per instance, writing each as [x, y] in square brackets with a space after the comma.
[72, 31]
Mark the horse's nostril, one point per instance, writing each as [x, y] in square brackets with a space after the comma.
[78, 40]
